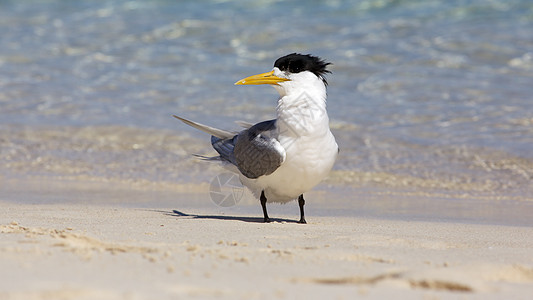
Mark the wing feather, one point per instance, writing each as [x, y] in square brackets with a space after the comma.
[253, 151]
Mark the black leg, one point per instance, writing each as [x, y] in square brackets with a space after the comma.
[301, 202]
[263, 205]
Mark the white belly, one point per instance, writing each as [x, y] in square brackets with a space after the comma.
[308, 161]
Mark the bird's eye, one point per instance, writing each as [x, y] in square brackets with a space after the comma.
[296, 66]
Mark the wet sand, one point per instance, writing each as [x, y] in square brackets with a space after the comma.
[83, 250]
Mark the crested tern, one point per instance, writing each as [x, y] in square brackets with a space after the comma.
[281, 159]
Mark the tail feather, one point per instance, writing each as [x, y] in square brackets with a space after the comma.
[203, 157]
[223, 134]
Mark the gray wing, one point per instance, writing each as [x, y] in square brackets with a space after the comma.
[254, 151]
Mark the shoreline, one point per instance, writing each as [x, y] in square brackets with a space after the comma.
[324, 200]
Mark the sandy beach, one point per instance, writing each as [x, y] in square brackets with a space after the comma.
[116, 251]
[101, 196]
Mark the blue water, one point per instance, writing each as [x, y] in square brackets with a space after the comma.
[424, 95]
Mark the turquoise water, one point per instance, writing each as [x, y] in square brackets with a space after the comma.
[424, 95]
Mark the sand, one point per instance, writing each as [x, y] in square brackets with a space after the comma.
[85, 250]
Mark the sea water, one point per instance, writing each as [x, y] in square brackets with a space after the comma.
[424, 96]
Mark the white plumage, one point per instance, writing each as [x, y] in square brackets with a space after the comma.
[303, 131]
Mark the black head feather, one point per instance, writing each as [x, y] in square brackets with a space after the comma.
[296, 63]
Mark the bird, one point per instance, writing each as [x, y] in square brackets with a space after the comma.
[279, 160]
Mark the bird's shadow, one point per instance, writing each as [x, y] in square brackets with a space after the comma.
[179, 214]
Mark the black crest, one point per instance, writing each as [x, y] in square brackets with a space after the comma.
[296, 63]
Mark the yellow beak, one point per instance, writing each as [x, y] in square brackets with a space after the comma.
[264, 78]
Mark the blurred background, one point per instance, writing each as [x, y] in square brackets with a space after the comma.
[430, 96]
